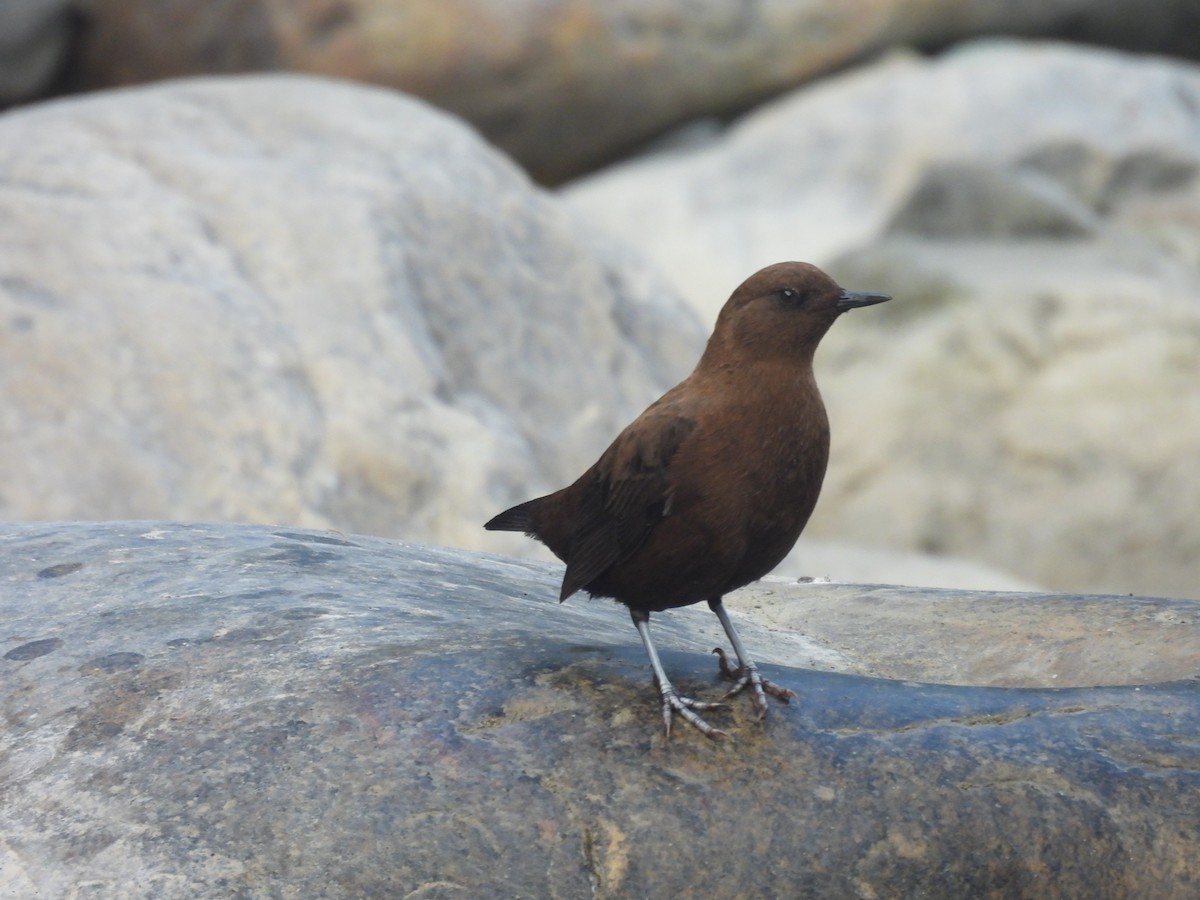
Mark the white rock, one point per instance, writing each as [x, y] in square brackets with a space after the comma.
[284, 299]
[824, 169]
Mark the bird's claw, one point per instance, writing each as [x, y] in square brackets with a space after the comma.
[674, 703]
[747, 676]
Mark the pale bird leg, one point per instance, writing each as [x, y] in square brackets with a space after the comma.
[746, 674]
[672, 702]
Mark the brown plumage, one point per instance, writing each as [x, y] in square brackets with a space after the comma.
[709, 488]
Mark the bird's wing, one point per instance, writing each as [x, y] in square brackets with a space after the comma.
[628, 494]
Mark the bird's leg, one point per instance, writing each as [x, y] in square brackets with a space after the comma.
[746, 674]
[672, 702]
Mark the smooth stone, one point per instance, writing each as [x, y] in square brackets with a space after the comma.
[241, 710]
[984, 638]
[289, 299]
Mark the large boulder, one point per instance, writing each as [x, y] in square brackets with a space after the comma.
[281, 298]
[202, 711]
[1028, 400]
[564, 85]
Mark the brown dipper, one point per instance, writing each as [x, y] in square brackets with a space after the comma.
[709, 488]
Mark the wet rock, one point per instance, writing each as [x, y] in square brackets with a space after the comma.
[984, 638]
[334, 715]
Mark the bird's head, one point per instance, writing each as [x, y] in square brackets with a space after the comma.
[782, 311]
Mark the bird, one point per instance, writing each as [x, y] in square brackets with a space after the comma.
[709, 488]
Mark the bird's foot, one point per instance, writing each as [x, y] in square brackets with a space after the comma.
[673, 703]
[747, 677]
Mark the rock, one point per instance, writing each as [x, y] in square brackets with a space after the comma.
[845, 562]
[1052, 132]
[1035, 412]
[194, 711]
[561, 86]
[1035, 209]
[983, 638]
[35, 37]
[287, 299]
[564, 86]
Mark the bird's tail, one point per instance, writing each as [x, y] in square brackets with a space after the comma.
[519, 518]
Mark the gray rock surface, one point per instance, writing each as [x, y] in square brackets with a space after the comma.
[282, 298]
[983, 638]
[35, 38]
[206, 711]
[1029, 399]
[563, 84]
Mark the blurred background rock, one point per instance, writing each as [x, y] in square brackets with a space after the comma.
[277, 298]
[560, 85]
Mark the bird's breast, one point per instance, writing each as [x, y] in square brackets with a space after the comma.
[755, 475]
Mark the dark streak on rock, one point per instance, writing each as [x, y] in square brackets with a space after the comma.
[314, 538]
[60, 570]
[113, 662]
[301, 556]
[299, 613]
[34, 649]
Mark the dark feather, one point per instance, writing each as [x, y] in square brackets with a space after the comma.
[628, 494]
[516, 519]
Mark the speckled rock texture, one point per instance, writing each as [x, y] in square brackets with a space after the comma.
[213, 711]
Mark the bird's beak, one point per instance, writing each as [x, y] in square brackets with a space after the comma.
[855, 299]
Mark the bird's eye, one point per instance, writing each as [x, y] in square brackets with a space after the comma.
[789, 296]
